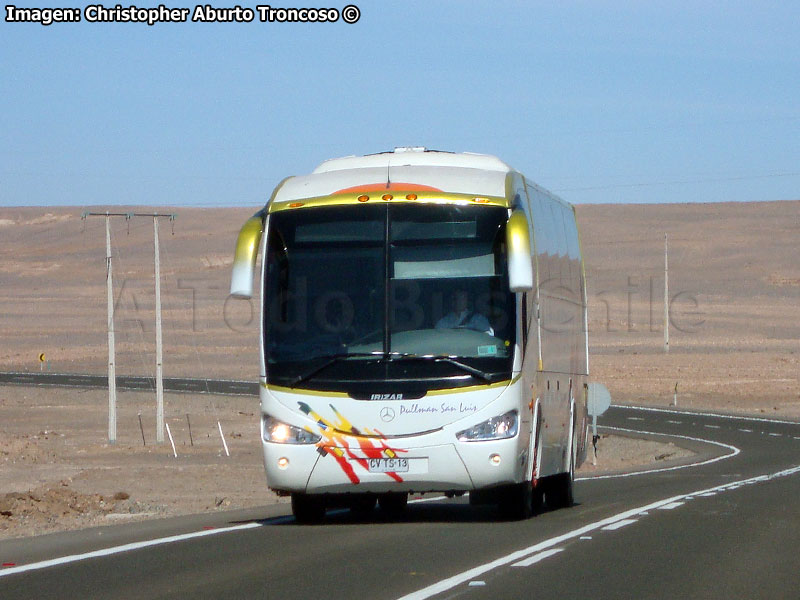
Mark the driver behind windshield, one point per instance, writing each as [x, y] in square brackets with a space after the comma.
[462, 316]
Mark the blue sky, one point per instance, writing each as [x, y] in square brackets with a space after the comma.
[598, 101]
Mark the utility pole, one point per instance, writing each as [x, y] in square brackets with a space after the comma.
[159, 373]
[112, 367]
[159, 338]
[666, 294]
[112, 377]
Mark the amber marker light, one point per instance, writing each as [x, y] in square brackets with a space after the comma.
[296, 205]
[387, 197]
[411, 197]
[362, 198]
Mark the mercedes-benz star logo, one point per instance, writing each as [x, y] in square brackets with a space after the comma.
[387, 414]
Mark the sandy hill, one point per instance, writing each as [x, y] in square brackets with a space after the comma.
[734, 287]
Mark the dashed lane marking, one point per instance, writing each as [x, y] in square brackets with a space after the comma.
[619, 524]
[524, 553]
[537, 557]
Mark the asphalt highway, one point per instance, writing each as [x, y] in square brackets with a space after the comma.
[132, 382]
[728, 527]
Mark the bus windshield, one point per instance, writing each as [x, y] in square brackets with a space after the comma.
[388, 295]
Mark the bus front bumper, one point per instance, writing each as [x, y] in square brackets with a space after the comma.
[457, 467]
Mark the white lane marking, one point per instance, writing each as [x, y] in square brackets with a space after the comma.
[635, 419]
[734, 451]
[674, 422]
[746, 430]
[705, 414]
[124, 548]
[167, 540]
[470, 574]
[586, 537]
[619, 524]
[712, 426]
[670, 506]
[537, 557]
[431, 499]
[476, 583]
[776, 434]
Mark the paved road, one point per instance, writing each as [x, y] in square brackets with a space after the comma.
[728, 528]
[133, 382]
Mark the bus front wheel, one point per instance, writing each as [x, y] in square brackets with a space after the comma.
[307, 509]
[518, 501]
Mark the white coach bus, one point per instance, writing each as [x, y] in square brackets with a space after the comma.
[423, 329]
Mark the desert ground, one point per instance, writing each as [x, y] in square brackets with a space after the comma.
[734, 282]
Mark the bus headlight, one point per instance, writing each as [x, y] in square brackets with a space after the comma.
[279, 432]
[496, 428]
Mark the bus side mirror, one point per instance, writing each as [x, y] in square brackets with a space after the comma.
[518, 243]
[244, 260]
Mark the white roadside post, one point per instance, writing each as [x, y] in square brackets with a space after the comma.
[171, 441]
[224, 443]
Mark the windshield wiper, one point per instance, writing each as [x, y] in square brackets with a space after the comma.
[331, 359]
[477, 373]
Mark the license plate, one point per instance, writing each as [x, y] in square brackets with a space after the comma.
[387, 465]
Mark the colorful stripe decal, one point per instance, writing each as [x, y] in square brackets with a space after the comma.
[338, 436]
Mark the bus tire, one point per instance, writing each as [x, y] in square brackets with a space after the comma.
[307, 509]
[559, 490]
[393, 503]
[516, 501]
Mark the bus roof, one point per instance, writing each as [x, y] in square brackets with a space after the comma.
[404, 169]
[416, 156]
